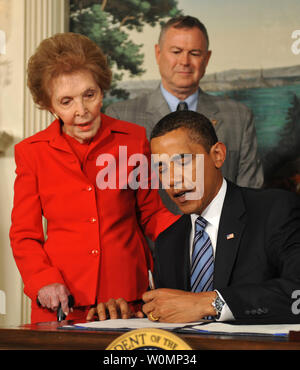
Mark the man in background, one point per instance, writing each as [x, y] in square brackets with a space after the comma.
[182, 55]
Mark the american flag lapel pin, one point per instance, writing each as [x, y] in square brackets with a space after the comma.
[230, 236]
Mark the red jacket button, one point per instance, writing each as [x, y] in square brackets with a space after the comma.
[95, 252]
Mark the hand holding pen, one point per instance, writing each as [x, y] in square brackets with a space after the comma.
[56, 297]
[152, 287]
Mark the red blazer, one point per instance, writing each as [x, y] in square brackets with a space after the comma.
[95, 242]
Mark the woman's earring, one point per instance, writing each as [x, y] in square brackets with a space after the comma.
[55, 115]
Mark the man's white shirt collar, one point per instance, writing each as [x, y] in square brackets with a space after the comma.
[173, 101]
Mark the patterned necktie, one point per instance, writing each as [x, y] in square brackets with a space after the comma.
[182, 106]
[202, 259]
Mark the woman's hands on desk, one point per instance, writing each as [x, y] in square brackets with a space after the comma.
[51, 295]
[166, 305]
[113, 309]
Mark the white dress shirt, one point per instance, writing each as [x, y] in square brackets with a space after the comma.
[212, 214]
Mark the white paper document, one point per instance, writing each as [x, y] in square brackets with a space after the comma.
[130, 324]
[195, 327]
[220, 327]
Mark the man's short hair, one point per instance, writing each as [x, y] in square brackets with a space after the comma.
[200, 129]
[184, 21]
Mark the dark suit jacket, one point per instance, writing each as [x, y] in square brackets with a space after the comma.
[257, 270]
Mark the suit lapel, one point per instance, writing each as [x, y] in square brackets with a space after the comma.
[186, 271]
[172, 252]
[182, 254]
[209, 109]
[231, 227]
[157, 106]
[52, 134]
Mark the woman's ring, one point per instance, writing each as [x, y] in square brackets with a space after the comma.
[153, 318]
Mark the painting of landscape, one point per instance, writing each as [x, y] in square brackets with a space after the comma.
[272, 91]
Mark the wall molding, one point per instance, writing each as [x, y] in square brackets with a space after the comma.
[43, 18]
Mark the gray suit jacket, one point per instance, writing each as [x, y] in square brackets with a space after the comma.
[233, 123]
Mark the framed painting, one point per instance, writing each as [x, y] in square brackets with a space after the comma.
[255, 60]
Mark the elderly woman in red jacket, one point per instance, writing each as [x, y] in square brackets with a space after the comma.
[76, 173]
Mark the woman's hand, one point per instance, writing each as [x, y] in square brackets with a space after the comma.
[50, 296]
[113, 309]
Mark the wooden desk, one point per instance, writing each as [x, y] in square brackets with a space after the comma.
[49, 336]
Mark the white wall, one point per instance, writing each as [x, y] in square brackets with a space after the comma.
[11, 120]
[25, 23]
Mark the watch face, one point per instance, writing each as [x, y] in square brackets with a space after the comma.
[219, 304]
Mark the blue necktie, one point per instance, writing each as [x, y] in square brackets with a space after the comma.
[202, 259]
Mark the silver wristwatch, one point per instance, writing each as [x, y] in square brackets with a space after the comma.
[218, 305]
